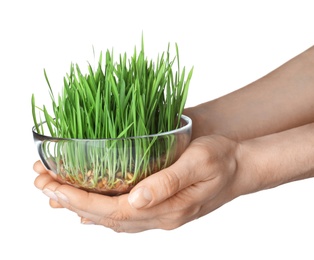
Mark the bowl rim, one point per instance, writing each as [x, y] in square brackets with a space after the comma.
[179, 130]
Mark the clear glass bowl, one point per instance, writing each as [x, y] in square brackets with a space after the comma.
[111, 166]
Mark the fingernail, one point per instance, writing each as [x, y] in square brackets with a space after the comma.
[86, 221]
[140, 198]
[50, 194]
[61, 196]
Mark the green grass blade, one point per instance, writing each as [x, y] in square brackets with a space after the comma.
[34, 114]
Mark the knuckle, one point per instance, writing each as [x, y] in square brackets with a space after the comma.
[120, 216]
[170, 181]
[115, 221]
[111, 223]
[179, 216]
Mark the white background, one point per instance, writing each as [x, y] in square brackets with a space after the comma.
[229, 43]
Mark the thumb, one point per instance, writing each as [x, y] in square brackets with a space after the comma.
[163, 184]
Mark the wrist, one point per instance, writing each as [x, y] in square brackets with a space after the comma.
[276, 159]
[246, 179]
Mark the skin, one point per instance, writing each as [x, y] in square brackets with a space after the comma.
[255, 138]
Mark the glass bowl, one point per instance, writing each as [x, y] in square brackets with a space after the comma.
[111, 166]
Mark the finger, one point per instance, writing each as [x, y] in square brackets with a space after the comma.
[40, 169]
[136, 222]
[118, 225]
[49, 190]
[112, 212]
[42, 180]
[55, 204]
[164, 184]
[80, 200]
[86, 221]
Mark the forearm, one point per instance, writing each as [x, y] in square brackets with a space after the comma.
[275, 159]
[278, 101]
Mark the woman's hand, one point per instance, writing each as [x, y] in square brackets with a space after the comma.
[202, 180]
[211, 172]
